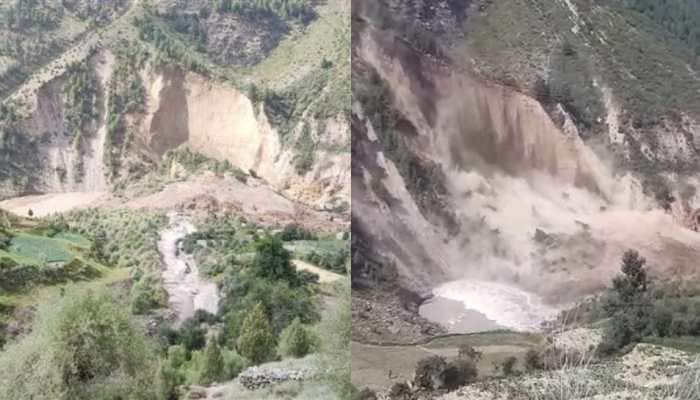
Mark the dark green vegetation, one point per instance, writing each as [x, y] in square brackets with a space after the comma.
[80, 104]
[269, 281]
[80, 99]
[191, 359]
[83, 345]
[194, 162]
[35, 31]
[680, 18]
[265, 303]
[126, 95]
[307, 95]
[190, 37]
[296, 340]
[84, 334]
[126, 239]
[169, 50]
[285, 9]
[639, 309]
[185, 35]
[234, 241]
[331, 254]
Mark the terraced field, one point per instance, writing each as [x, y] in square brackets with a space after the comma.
[379, 367]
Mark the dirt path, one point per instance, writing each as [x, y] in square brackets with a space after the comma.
[187, 290]
[324, 276]
[47, 204]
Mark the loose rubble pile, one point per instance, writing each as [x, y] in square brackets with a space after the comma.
[257, 377]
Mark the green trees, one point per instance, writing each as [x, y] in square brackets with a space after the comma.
[257, 341]
[213, 366]
[285, 9]
[83, 346]
[628, 305]
[272, 261]
[80, 98]
[680, 17]
[296, 340]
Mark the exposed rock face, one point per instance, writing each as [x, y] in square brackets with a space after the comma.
[181, 109]
[219, 121]
[453, 174]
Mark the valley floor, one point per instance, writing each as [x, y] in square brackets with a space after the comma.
[205, 192]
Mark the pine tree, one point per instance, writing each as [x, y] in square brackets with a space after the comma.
[257, 342]
[213, 368]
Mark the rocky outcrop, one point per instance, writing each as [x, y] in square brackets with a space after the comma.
[255, 378]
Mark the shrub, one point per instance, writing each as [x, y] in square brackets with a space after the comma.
[430, 373]
[234, 364]
[460, 372]
[366, 394]
[663, 317]
[204, 317]
[468, 352]
[295, 232]
[257, 341]
[533, 360]
[192, 336]
[5, 239]
[147, 294]
[400, 391]
[273, 262]
[296, 340]
[76, 269]
[82, 346]
[508, 366]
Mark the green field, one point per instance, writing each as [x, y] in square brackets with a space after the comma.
[42, 249]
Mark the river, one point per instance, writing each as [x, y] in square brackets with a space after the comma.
[187, 290]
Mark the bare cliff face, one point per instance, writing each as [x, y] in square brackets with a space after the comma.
[219, 121]
[456, 176]
[107, 107]
[181, 109]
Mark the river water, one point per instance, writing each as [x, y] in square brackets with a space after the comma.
[467, 306]
[187, 290]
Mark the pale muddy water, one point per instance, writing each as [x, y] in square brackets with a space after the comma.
[468, 306]
[187, 290]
